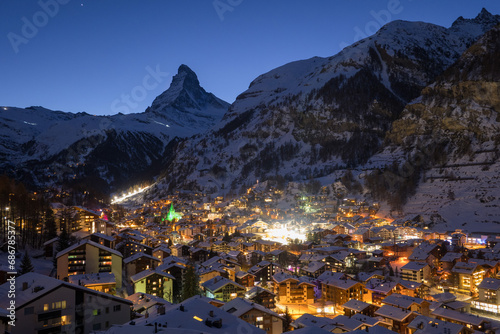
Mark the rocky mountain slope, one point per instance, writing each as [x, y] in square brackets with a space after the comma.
[448, 139]
[312, 117]
[44, 147]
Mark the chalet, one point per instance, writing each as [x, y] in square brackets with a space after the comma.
[103, 239]
[413, 304]
[424, 324]
[140, 262]
[244, 278]
[472, 322]
[255, 314]
[291, 289]
[263, 271]
[180, 250]
[206, 274]
[131, 247]
[313, 269]
[161, 252]
[448, 261]
[340, 291]
[154, 282]
[398, 318]
[223, 289]
[379, 289]
[261, 296]
[198, 255]
[354, 306]
[143, 302]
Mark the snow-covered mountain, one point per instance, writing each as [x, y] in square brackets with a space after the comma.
[41, 146]
[446, 146]
[310, 118]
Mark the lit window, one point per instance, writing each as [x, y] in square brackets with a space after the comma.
[260, 319]
[45, 307]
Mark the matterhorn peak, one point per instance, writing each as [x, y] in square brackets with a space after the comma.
[185, 76]
[185, 98]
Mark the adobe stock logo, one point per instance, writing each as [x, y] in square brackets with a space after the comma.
[30, 28]
[381, 17]
[222, 6]
[127, 102]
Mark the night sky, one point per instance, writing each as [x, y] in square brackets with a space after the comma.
[78, 55]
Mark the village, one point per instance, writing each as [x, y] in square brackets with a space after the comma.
[316, 265]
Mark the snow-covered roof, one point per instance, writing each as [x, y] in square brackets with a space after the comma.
[147, 273]
[255, 291]
[458, 316]
[240, 306]
[48, 242]
[92, 279]
[145, 300]
[189, 317]
[355, 305]
[450, 256]
[490, 284]
[309, 330]
[91, 243]
[219, 282]
[343, 284]
[391, 312]
[402, 301]
[139, 255]
[345, 323]
[310, 321]
[39, 285]
[312, 267]
[427, 325]
[104, 236]
[414, 266]
[444, 297]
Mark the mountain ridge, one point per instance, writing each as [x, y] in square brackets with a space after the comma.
[44, 147]
[308, 118]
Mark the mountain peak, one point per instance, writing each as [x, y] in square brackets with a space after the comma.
[185, 99]
[185, 75]
[484, 17]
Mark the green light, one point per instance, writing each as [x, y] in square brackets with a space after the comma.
[171, 214]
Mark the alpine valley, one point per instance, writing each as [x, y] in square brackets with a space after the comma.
[408, 117]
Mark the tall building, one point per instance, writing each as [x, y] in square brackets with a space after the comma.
[88, 257]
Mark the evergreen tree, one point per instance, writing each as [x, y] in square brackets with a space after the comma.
[63, 241]
[190, 286]
[26, 265]
[287, 320]
[50, 225]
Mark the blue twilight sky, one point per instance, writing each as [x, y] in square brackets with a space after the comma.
[84, 55]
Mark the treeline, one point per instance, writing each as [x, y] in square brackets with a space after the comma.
[29, 211]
